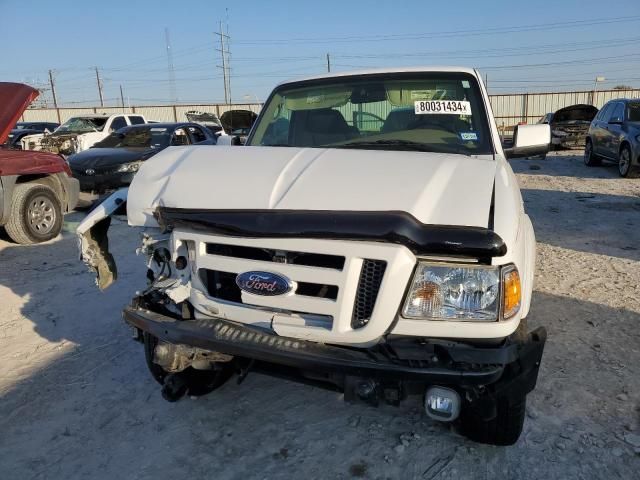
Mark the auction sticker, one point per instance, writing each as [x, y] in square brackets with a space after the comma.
[446, 107]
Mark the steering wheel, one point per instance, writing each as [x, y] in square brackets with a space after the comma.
[421, 124]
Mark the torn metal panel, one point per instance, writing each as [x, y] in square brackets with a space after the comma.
[94, 242]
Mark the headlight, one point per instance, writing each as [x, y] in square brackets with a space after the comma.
[463, 292]
[129, 167]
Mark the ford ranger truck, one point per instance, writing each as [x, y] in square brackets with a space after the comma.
[369, 237]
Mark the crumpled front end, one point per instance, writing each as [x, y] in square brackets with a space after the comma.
[66, 144]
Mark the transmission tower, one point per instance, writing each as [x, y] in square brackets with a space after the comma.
[172, 73]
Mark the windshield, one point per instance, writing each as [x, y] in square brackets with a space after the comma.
[83, 124]
[437, 112]
[634, 111]
[137, 137]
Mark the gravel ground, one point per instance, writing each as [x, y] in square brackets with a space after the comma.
[76, 400]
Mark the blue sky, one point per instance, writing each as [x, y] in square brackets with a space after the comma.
[275, 40]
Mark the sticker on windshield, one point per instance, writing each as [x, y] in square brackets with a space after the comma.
[469, 136]
[443, 107]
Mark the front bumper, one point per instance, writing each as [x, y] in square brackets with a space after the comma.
[102, 183]
[431, 362]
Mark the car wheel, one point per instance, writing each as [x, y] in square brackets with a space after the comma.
[590, 158]
[191, 381]
[624, 164]
[504, 429]
[36, 214]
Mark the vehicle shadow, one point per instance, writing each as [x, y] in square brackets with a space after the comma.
[584, 221]
[96, 413]
[567, 163]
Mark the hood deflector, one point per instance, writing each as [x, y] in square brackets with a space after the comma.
[388, 226]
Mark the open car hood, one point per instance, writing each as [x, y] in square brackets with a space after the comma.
[237, 120]
[580, 113]
[14, 99]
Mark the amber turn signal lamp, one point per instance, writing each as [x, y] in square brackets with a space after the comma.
[512, 293]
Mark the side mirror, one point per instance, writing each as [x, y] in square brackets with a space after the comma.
[529, 141]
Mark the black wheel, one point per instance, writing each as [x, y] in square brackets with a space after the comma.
[504, 429]
[36, 214]
[590, 158]
[189, 381]
[624, 164]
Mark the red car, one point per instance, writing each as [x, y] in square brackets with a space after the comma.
[36, 188]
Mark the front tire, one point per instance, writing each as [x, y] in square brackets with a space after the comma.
[590, 158]
[504, 429]
[625, 168]
[36, 214]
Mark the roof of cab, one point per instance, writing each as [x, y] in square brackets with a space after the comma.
[377, 71]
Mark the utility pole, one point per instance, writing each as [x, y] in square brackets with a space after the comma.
[224, 51]
[99, 87]
[328, 63]
[121, 97]
[53, 93]
[172, 74]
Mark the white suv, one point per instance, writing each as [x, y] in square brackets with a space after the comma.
[370, 236]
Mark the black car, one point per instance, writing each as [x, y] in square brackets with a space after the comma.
[569, 125]
[112, 162]
[614, 135]
[22, 129]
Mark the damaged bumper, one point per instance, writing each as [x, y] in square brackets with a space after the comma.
[512, 365]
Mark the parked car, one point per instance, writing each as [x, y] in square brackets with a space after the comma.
[80, 133]
[569, 125]
[235, 124]
[112, 162]
[36, 188]
[614, 135]
[208, 120]
[386, 263]
[22, 129]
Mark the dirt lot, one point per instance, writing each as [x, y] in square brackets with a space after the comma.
[76, 400]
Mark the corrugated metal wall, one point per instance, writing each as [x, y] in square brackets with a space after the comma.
[511, 109]
[508, 109]
[160, 113]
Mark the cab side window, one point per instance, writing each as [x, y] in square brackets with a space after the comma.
[118, 123]
[136, 120]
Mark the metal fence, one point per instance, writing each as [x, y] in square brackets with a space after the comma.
[508, 109]
[511, 109]
[160, 113]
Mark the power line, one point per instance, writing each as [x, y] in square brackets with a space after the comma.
[456, 33]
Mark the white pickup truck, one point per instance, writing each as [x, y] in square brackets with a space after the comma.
[370, 236]
[80, 133]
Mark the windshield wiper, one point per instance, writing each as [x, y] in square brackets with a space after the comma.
[400, 145]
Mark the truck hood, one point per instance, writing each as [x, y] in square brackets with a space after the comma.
[436, 189]
[14, 98]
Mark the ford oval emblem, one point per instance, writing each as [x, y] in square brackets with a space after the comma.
[263, 283]
[90, 171]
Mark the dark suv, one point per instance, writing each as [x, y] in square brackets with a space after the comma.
[614, 135]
